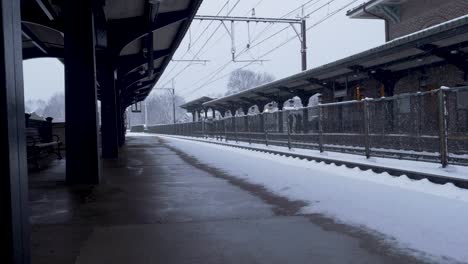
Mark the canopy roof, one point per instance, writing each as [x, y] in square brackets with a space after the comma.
[140, 35]
[376, 9]
[444, 43]
[196, 104]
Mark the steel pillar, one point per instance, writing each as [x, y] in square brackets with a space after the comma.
[14, 223]
[280, 117]
[109, 125]
[305, 114]
[120, 118]
[83, 164]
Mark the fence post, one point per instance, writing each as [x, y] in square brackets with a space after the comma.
[366, 128]
[443, 129]
[247, 123]
[320, 127]
[266, 137]
[235, 127]
[289, 130]
[225, 130]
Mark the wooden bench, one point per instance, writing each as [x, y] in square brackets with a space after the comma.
[40, 147]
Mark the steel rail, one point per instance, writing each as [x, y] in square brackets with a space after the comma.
[414, 175]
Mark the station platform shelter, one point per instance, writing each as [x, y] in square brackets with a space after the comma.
[113, 51]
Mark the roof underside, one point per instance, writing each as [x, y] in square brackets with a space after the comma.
[376, 9]
[196, 104]
[447, 42]
[142, 46]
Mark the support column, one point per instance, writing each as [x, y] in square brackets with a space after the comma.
[261, 108]
[280, 117]
[80, 94]
[122, 127]
[245, 109]
[14, 223]
[109, 129]
[305, 114]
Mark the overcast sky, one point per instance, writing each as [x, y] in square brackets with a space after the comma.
[332, 39]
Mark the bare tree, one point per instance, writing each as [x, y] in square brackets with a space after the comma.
[245, 79]
[158, 109]
[54, 107]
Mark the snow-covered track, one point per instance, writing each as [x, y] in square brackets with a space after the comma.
[415, 175]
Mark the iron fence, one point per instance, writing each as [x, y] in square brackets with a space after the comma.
[428, 126]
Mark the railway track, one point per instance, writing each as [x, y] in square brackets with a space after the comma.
[434, 178]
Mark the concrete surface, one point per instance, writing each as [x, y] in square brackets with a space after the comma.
[158, 205]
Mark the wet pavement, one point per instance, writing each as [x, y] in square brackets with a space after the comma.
[158, 205]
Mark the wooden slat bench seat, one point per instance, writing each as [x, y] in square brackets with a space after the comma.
[39, 147]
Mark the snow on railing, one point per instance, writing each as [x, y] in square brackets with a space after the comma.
[422, 125]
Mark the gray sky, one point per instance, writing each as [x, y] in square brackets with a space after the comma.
[330, 40]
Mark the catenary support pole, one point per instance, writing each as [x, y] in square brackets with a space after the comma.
[82, 164]
[303, 45]
[14, 230]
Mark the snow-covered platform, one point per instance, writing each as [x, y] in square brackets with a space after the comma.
[425, 219]
[455, 174]
[172, 201]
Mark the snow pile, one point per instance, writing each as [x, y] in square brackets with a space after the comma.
[454, 171]
[419, 215]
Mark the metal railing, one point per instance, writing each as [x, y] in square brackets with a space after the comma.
[428, 126]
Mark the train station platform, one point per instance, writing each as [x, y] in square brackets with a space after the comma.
[159, 205]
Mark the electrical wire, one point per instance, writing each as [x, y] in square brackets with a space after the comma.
[198, 38]
[204, 44]
[253, 40]
[277, 47]
[220, 69]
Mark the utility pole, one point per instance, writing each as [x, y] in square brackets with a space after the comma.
[303, 40]
[304, 44]
[146, 114]
[301, 22]
[173, 101]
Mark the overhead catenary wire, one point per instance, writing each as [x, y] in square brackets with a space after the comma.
[204, 44]
[253, 40]
[197, 39]
[276, 47]
[220, 69]
[215, 42]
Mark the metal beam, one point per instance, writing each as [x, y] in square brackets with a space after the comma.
[249, 19]
[245, 99]
[32, 53]
[34, 39]
[269, 97]
[129, 63]
[47, 8]
[126, 30]
[140, 86]
[452, 56]
[136, 77]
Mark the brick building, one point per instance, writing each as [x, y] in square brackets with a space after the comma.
[427, 48]
[405, 17]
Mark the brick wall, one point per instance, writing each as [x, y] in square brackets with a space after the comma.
[435, 77]
[420, 14]
[446, 75]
